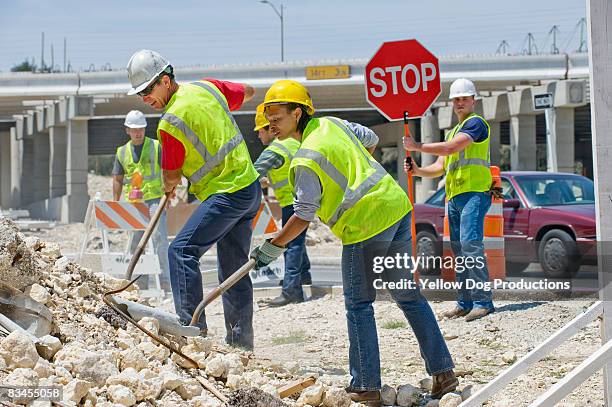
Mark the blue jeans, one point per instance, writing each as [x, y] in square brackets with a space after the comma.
[160, 242]
[297, 263]
[359, 293]
[224, 219]
[466, 213]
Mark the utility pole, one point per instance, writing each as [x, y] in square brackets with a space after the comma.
[64, 54]
[582, 23]
[503, 47]
[52, 59]
[600, 62]
[530, 45]
[554, 31]
[42, 53]
[282, 25]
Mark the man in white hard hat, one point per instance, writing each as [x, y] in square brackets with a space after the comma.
[137, 173]
[201, 141]
[464, 157]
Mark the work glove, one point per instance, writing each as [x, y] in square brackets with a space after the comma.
[266, 254]
[496, 192]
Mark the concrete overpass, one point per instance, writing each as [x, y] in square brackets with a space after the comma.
[50, 123]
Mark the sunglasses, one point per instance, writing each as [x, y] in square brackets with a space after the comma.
[147, 91]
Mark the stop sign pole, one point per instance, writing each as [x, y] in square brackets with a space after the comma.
[402, 81]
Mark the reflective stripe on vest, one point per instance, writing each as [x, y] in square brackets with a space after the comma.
[210, 161]
[462, 161]
[350, 197]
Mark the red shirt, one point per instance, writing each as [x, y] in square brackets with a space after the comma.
[173, 152]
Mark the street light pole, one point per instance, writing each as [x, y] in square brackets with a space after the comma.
[282, 21]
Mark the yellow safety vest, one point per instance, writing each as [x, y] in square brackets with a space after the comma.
[147, 166]
[359, 198]
[468, 170]
[279, 177]
[216, 157]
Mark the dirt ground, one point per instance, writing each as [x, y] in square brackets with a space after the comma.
[311, 337]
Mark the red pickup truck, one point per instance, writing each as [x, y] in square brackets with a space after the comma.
[549, 218]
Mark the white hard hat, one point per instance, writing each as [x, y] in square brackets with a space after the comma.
[462, 87]
[135, 120]
[144, 66]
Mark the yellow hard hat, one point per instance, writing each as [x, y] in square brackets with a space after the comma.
[288, 91]
[260, 118]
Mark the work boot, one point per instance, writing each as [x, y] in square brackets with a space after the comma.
[455, 313]
[368, 398]
[443, 383]
[477, 313]
[282, 300]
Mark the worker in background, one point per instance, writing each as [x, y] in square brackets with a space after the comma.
[139, 162]
[273, 163]
[201, 141]
[334, 176]
[464, 158]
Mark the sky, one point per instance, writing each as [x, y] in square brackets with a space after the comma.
[189, 32]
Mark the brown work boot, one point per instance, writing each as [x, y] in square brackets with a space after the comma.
[477, 313]
[365, 397]
[443, 383]
[455, 313]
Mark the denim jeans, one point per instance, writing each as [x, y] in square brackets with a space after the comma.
[358, 278]
[224, 219]
[160, 242]
[297, 263]
[466, 213]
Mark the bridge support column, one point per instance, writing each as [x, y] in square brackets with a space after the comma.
[564, 126]
[75, 201]
[5, 169]
[495, 143]
[523, 142]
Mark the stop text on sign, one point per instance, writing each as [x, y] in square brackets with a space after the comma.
[410, 77]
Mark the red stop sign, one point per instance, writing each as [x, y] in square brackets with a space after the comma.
[402, 76]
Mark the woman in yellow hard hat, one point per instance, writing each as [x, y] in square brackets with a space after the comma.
[334, 177]
[273, 163]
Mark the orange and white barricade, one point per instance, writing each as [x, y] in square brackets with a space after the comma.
[264, 225]
[113, 216]
[493, 238]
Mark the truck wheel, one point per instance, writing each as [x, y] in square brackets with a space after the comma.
[428, 246]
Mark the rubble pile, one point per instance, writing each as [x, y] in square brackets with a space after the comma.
[103, 364]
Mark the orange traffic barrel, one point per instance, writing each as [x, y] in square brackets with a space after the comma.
[493, 238]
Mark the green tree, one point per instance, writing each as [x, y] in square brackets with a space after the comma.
[25, 66]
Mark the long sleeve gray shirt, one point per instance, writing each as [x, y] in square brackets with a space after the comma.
[308, 189]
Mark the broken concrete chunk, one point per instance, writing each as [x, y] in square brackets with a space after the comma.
[121, 395]
[152, 351]
[75, 390]
[336, 397]
[215, 367]
[48, 346]
[234, 382]
[43, 368]
[388, 395]
[407, 395]
[450, 400]
[189, 389]
[233, 364]
[18, 351]
[313, 395]
[38, 293]
[95, 367]
[132, 358]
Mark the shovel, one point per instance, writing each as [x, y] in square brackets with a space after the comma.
[20, 312]
[170, 321]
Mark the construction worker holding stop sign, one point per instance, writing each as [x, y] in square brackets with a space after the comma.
[465, 159]
[335, 177]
